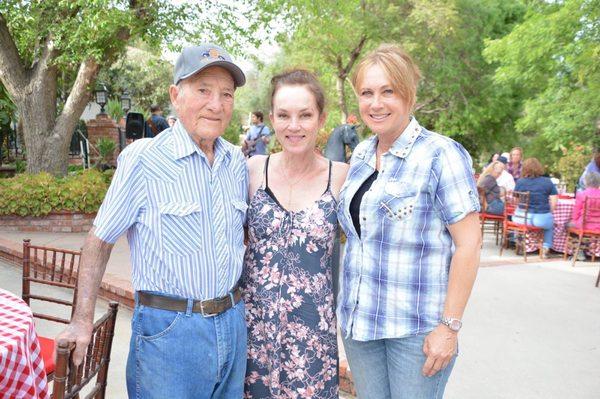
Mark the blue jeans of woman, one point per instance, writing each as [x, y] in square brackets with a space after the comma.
[186, 355]
[496, 207]
[391, 369]
[543, 220]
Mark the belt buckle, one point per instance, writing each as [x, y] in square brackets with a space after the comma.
[206, 314]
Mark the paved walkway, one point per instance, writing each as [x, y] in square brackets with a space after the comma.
[530, 330]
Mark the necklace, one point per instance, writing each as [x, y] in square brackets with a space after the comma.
[292, 184]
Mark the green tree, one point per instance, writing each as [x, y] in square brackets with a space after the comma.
[551, 62]
[52, 50]
[446, 38]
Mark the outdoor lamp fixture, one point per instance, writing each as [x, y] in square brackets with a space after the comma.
[101, 96]
[125, 101]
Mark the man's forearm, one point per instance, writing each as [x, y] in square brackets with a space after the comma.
[94, 257]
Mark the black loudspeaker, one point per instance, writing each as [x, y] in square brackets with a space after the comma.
[134, 126]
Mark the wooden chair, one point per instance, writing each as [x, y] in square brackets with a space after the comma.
[585, 235]
[70, 380]
[52, 267]
[489, 221]
[519, 200]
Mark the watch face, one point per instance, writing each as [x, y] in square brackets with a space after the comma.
[455, 325]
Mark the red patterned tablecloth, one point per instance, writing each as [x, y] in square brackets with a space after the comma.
[22, 372]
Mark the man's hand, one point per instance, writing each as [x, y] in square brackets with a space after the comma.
[80, 334]
[439, 347]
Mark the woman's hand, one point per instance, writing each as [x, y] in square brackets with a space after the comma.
[439, 347]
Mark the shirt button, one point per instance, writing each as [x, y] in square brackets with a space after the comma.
[364, 218]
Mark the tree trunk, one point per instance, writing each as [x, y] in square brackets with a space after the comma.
[47, 136]
[340, 83]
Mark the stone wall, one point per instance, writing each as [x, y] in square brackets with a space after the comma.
[60, 222]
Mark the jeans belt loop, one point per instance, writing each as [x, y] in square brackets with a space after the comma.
[232, 299]
[190, 307]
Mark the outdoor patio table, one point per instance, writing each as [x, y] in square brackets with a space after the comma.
[562, 216]
[22, 372]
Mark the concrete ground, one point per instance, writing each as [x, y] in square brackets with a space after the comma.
[530, 330]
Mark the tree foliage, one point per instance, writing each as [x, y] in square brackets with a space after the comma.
[446, 39]
[51, 52]
[551, 61]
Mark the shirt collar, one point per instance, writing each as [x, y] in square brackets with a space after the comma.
[400, 148]
[403, 144]
[184, 145]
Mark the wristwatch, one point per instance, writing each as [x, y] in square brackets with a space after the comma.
[453, 324]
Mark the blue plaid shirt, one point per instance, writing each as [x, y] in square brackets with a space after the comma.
[395, 276]
[183, 217]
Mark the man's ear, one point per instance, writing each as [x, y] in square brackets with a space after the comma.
[174, 94]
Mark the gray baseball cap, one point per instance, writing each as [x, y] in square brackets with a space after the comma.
[194, 59]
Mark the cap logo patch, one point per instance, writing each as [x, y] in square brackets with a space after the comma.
[213, 53]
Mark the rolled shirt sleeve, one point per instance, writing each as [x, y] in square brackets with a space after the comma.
[456, 194]
[125, 196]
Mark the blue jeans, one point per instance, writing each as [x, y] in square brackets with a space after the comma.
[543, 220]
[391, 368]
[496, 207]
[186, 355]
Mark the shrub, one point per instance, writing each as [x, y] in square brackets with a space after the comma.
[106, 149]
[41, 194]
[572, 165]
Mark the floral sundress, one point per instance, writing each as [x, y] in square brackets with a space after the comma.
[287, 286]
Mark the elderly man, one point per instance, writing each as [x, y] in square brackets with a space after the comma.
[181, 198]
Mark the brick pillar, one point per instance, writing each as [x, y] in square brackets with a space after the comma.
[102, 126]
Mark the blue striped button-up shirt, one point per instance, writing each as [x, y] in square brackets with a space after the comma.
[395, 276]
[184, 218]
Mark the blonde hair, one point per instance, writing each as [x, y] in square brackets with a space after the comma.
[399, 67]
[488, 169]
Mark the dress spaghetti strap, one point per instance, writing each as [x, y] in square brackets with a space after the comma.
[329, 178]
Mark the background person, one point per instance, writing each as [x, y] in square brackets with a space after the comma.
[258, 136]
[493, 192]
[542, 200]
[592, 166]
[515, 165]
[171, 119]
[592, 184]
[505, 180]
[288, 276]
[156, 123]
[181, 198]
[410, 212]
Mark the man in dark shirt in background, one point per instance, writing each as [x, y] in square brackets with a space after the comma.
[156, 123]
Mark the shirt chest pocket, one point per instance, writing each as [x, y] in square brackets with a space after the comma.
[181, 227]
[399, 200]
[239, 210]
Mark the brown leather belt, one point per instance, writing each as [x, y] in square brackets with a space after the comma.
[208, 308]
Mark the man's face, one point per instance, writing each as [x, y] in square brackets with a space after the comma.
[204, 103]
[254, 119]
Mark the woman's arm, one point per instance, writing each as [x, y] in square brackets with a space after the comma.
[440, 344]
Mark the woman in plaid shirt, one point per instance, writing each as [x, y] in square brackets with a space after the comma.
[409, 208]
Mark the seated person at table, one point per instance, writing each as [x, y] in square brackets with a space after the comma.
[493, 192]
[542, 199]
[592, 184]
[505, 180]
[593, 166]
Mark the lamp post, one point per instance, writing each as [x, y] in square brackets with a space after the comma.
[101, 95]
[125, 102]
[126, 105]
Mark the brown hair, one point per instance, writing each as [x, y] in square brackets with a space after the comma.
[532, 168]
[299, 77]
[399, 67]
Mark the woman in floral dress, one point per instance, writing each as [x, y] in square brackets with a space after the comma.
[287, 280]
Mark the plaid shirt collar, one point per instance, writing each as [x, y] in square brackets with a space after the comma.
[400, 148]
